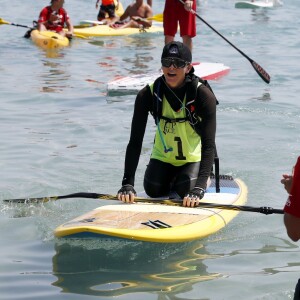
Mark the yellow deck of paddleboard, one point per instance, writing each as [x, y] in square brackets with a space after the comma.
[49, 39]
[146, 222]
[105, 30]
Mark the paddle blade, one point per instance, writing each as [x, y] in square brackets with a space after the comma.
[158, 18]
[80, 36]
[3, 22]
[261, 72]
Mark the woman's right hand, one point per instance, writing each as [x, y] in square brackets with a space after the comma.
[127, 193]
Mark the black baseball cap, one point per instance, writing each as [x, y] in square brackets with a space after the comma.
[177, 49]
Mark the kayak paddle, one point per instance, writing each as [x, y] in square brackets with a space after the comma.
[174, 202]
[13, 24]
[3, 22]
[157, 17]
[259, 70]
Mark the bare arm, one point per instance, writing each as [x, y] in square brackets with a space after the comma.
[144, 20]
[70, 27]
[206, 109]
[126, 14]
[41, 27]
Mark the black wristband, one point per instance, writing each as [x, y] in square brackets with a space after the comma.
[127, 189]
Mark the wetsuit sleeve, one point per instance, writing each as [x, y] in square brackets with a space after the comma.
[206, 110]
[142, 107]
[292, 205]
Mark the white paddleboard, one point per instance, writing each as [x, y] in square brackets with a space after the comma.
[132, 84]
[91, 22]
[258, 4]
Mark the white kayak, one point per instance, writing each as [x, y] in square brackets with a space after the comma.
[258, 4]
[132, 84]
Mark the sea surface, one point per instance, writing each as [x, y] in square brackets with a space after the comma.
[60, 133]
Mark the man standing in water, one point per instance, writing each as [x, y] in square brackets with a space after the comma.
[176, 13]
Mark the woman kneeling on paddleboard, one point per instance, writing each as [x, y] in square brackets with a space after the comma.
[184, 110]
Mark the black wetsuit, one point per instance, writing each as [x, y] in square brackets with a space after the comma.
[205, 107]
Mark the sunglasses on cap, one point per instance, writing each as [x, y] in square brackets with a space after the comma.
[176, 62]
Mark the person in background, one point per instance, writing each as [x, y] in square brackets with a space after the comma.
[177, 13]
[107, 7]
[292, 209]
[184, 111]
[138, 13]
[54, 17]
[292, 206]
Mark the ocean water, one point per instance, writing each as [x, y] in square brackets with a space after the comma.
[60, 133]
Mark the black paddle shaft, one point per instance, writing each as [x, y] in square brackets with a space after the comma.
[19, 25]
[259, 69]
[178, 202]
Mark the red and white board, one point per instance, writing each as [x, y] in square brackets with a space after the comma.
[132, 84]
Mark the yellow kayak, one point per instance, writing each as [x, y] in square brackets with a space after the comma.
[105, 30]
[49, 39]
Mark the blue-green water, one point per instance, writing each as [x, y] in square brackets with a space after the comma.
[60, 134]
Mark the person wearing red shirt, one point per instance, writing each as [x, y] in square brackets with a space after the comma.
[292, 209]
[292, 206]
[54, 17]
